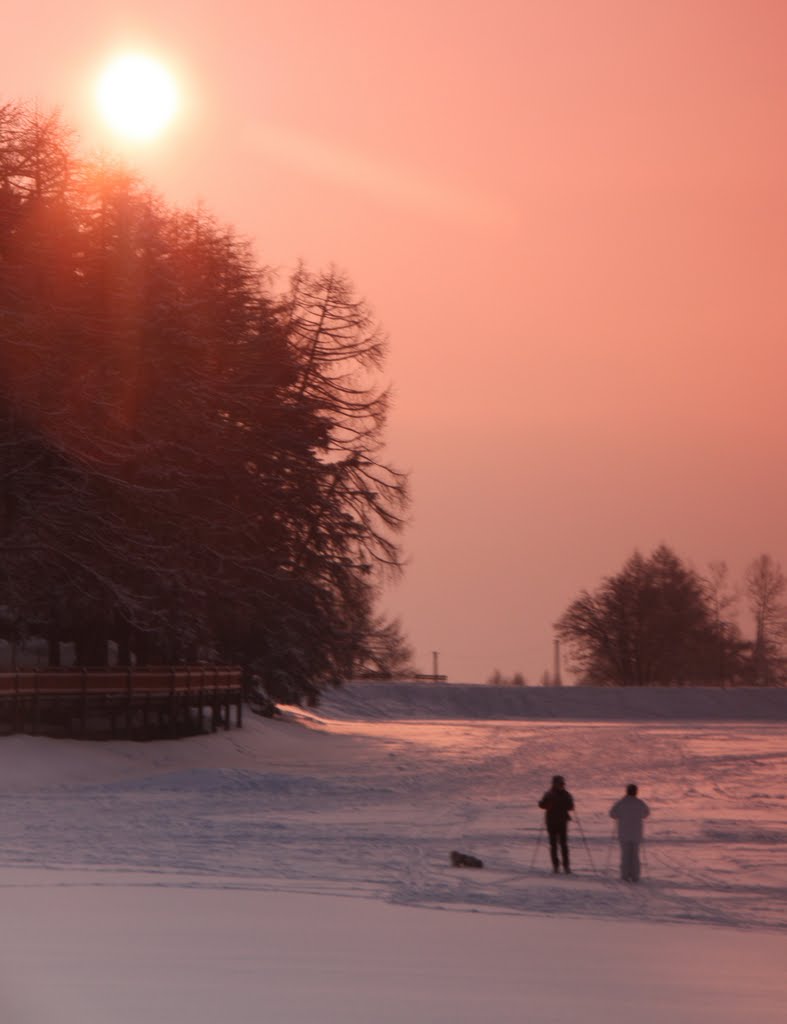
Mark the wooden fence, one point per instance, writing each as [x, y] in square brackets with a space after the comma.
[142, 704]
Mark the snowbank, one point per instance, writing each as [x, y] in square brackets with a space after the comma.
[371, 700]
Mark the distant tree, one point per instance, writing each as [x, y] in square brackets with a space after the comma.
[650, 624]
[722, 596]
[365, 644]
[390, 650]
[722, 600]
[498, 679]
[766, 590]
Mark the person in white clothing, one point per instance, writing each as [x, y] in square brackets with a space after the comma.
[629, 812]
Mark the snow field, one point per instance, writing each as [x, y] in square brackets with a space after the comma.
[297, 870]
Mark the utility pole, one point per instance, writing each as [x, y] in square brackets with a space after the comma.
[434, 664]
[556, 680]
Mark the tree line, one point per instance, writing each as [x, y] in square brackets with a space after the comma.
[660, 622]
[191, 459]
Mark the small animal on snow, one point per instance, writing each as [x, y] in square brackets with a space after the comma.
[465, 860]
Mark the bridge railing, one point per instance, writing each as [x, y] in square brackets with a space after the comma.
[142, 680]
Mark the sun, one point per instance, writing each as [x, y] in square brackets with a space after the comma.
[137, 96]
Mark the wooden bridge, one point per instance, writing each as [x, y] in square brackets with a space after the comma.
[139, 704]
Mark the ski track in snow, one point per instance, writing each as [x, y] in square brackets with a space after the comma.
[378, 804]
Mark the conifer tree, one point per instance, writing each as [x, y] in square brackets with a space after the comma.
[191, 464]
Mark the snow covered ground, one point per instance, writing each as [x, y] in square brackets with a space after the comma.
[297, 870]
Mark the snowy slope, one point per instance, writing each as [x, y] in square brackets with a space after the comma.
[475, 701]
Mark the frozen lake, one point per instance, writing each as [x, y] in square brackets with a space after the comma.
[241, 836]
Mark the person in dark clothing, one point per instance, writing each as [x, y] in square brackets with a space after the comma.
[558, 803]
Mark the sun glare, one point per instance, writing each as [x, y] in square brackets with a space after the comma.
[137, 96]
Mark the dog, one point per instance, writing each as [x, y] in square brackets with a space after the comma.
[465, 860]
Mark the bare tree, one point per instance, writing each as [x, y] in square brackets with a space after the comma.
[498, 679]
[723, 599]
[766, 589]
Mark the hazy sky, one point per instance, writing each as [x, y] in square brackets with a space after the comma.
[571, 217]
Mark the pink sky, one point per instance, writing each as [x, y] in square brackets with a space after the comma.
[571, 217]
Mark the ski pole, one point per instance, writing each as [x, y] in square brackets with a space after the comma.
[582, 833]
[535, 851]
[609, 850]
